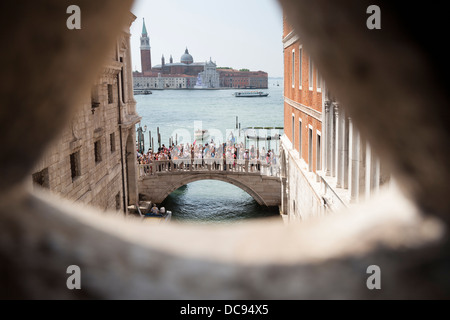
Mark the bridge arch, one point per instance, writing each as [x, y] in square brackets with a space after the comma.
[158, 180]
[218, 177]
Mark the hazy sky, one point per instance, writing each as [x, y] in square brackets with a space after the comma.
[234, 33]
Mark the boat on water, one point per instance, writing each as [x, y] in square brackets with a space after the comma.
[163, 216]
[201, 134]
[144, 210]
[250, 94]
[142, 91]
[264, 138]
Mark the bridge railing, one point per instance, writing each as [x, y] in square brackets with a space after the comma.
[205, 165]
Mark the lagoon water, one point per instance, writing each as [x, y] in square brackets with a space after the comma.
[178, 112]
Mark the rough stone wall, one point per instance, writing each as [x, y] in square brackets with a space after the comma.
[304, 194]
[99, 182]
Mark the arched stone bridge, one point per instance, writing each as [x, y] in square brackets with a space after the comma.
[159, 179]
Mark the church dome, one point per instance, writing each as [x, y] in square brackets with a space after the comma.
[186, 57]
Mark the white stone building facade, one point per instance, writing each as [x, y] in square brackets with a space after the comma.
[161, 82]
[348, 171]
[210, 77]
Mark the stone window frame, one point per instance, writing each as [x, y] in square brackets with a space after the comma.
[319, 160]
[318, 81]
[311, 74]
[110, 91]
[75, 165]
[293, 131]
[112, 142]
[98, 151]
[310, 148]
[118, 202]
[300, 124]
[95, 99]
[300, 58]
[293, 68]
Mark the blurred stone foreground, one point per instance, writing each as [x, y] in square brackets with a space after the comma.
[392, 82]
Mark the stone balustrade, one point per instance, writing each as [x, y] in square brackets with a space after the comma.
[209, 164]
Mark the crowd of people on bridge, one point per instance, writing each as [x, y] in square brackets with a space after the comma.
[210, 153]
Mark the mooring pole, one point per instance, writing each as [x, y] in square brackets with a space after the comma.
[150, 139]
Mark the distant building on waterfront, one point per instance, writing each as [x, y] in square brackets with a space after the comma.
[230, 78]
[209, 77]
[186, 66]
[94, 159]
[325, 165]
[188, 74]
[164, 81]
[181, 75]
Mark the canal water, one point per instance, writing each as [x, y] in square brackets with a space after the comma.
[178, 113]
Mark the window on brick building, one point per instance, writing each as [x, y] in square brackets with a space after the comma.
[311, 74]
[300, 129]
[293, 131]
[310, 149]
[319, 81]
[41, 178]
[300, 58]
[293, 68]
[97, 151]
[75, 165]
[318, 153]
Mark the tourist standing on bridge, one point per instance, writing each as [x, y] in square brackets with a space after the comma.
[197, 156]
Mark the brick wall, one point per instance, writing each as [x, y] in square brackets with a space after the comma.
[146, 61]
[240, 79]
[303, 97]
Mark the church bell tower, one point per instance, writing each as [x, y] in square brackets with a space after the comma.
[146, 59]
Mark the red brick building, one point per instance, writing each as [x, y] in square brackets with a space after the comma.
[303, 103]
[325, 164]
[230, 78]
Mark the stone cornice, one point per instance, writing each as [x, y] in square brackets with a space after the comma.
[290, 39]
[130, 121]
[307, 110]
[113, 68]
